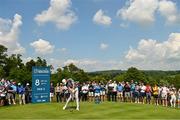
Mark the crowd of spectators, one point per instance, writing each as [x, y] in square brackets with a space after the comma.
[133, 92]
[12, 92]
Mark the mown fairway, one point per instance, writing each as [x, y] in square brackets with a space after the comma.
[107, 110]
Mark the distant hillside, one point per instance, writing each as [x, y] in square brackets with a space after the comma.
[107, 72]
[147, 72]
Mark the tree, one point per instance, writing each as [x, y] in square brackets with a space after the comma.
[30, 64]
[41, 62]
[119, 78]
[175, 80]
[2, 72]
[21, 75]
[134, 74]
[13, 62]
[3, 55]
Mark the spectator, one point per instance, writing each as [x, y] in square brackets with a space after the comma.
[57, 90]
[148, 94]
[61, 92]
[65, 92]
[120, 92]
[2, 94]
[21, 92]
[132, 90]
[51, 92]
[137, 93]
[102, 92]
[14, 87]
[178, 96]
[79, 86]
[84, 92]
[97, 93]
[110, 88]
[127, 90]
[10, 94]
[91, 92]
[142, 92]
[27, 93]
[173, 98]
[155, 90]
[114, 92]
[164, 92]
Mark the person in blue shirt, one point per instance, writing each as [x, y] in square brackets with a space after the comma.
[21, 92]
[97, 90]
[120, 92]
[14, 87]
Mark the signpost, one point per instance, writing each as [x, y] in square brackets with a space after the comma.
[40, 84]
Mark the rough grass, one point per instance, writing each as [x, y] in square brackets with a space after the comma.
[107, 110]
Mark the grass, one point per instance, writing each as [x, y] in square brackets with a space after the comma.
[107, 110]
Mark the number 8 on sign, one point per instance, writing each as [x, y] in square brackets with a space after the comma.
[37, 83]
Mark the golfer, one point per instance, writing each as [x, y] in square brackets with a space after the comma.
[73, 90]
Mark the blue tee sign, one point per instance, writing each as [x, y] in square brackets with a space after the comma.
[40, 84]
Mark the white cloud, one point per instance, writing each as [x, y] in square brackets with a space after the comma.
[26, 59]
[9, 34]
[139, 11]
[103, 46]
[169, 10]
[101, 18]
[42, 47]
[62, 50]
[59, 13]
[143, 11]
[151, 54]
[124, 25]
[88, 64]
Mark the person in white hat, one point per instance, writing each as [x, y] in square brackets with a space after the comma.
[27, 93]
[73, 90]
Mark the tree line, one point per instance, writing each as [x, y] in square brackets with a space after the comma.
[13, 67]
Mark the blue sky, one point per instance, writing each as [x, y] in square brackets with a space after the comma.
[94, 34]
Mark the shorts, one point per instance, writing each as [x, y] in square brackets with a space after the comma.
[51, 94]
[91, 94]
[143, 94]
[155, 96]
[120, 94]
[10, 96]
[132, 93]
[127, 94]
[96, 94]
[102, 92]
[173, 98]
[164, 96]
[136, 94]
[148, 96]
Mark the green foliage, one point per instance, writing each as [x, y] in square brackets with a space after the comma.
[2, 72]
[69, 71]
[177, 81]
[134, 74]
[20, 75]
[119, 78]
[3, 55]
